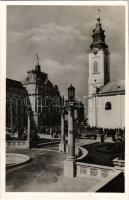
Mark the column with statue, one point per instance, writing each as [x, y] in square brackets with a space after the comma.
[62, 145]
[69, 163]
[29, 113]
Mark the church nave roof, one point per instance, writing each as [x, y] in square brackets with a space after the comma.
[116, 86]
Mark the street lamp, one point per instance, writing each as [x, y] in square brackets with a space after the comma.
[71, 92]
[29, 112]
[62, 147]
[69, 164]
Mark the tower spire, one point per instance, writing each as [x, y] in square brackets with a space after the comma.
[98, 10]
[98, 24]
[98, 35]
[37, 67]
[37, 58]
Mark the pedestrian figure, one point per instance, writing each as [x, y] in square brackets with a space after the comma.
[102, 136]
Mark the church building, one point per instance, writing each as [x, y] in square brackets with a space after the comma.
[106, 98]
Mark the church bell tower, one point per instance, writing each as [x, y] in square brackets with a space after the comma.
[99, 66]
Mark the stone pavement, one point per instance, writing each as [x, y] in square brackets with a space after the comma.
[44, 173]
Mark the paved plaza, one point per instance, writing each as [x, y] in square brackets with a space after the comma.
[44, 173]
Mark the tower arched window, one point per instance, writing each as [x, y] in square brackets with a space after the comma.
[108, 106]
[95, 67]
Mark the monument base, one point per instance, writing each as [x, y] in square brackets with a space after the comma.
[62, 147]
[70, 168]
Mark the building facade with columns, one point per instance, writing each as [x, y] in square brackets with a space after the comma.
[106, 99]
[16, 105]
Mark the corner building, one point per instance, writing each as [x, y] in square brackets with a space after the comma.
[38, 93]
[44, 98]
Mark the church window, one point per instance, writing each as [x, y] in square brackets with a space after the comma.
[108, 106]
[95, 67]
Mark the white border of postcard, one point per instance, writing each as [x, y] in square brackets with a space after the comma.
[55, 196]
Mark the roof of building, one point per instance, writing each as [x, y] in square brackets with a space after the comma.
[34, 75]
[31, 78]
[113, 87]
[14, 84]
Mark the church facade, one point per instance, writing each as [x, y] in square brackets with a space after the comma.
[106, 99]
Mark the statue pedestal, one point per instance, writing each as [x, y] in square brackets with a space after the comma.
[28, 144]
[62, 147]
[70, 168]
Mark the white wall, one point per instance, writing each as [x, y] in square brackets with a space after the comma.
[114, 118]
[96, 79]
[91, 111]
[99, 117]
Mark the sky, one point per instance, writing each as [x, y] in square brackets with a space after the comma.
[62, 36]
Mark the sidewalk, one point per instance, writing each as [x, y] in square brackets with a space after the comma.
[45, 173]
[86, 141]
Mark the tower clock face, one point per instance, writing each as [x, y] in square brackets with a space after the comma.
[95, 51]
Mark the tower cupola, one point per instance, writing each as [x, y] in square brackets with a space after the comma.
[98, 36]
[99, 62]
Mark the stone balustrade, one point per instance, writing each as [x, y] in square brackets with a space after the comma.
[91, 170]
[113, 183]
[17, 144]
[118, 162]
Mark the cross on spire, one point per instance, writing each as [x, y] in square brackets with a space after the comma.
[98, 10]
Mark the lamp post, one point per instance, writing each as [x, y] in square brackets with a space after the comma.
[71, 93]
[71, 135]
[29, 126]
[62, 147]
[11, 115]
[69, 163]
